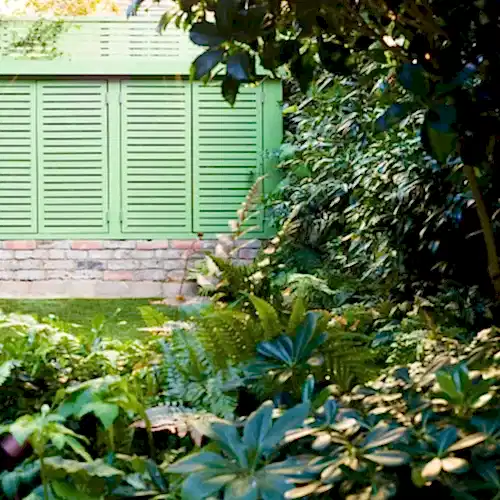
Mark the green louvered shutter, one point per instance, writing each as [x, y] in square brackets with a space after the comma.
[73, 157]
[17, 158]
[227, 154]
[156, 156]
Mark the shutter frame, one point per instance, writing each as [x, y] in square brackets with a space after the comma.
[227, 155]
[72, 157]
[18, 189]
[156, 157]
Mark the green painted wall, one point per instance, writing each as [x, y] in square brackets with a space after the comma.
[120, 158]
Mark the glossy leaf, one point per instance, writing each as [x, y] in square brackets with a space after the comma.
[206, 62]
[239, 67]
[258, 425]
[230, 88]
[205, 34]
[389, 458]
[413, 78]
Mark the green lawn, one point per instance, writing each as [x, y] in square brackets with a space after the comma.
[82, 311]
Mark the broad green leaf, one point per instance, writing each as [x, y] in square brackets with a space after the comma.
[199, 485]
[455, 465]
[239, 67]
[298, 314]
[77, 447]
[275, 350]
[97, 468]
[230, 88]
[199, 462]
[383, 436]
[156, 476]
[65, 491]
[206, 62]
[292, 418]
[389, 458]
[303, 491]
[242, 488]
[258, 425]
[107, 413]
[205, 34]
[468, 441]
[305, 333]
[413, 78]
[308, 388]
[447, 385]
[446, 438]
[432, 469]
[228, 437]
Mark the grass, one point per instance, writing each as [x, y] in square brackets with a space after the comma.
[124, 323]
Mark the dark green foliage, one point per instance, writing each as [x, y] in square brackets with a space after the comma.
[238, 464]
[367, 205]
[428, 428]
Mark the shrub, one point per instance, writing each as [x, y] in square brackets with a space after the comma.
[430, 427]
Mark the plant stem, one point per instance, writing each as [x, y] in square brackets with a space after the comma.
[487, 227]
[44, 478]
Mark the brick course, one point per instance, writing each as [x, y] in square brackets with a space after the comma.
[159, 264]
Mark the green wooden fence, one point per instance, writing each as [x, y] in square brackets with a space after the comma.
[86, 152]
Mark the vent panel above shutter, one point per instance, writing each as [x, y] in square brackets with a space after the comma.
[156, 161]
[227, 154]
[73, 164]
[17, 158]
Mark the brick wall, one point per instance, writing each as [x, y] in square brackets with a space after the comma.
[105, 268]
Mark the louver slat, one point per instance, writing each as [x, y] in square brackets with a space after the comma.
[156, 157]
[227, 154]
[73, 163]
[17, 158]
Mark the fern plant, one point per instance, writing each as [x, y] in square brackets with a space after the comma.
[190, 378]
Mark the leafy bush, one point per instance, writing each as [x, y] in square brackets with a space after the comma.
[430, 428]
[39, 358]
[370, 205]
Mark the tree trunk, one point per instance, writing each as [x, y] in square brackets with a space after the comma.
[487, 228]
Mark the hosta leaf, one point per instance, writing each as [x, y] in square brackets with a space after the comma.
[454, 465]
[389, 458]
[258, 425]
[468, 441]
[432, 469]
